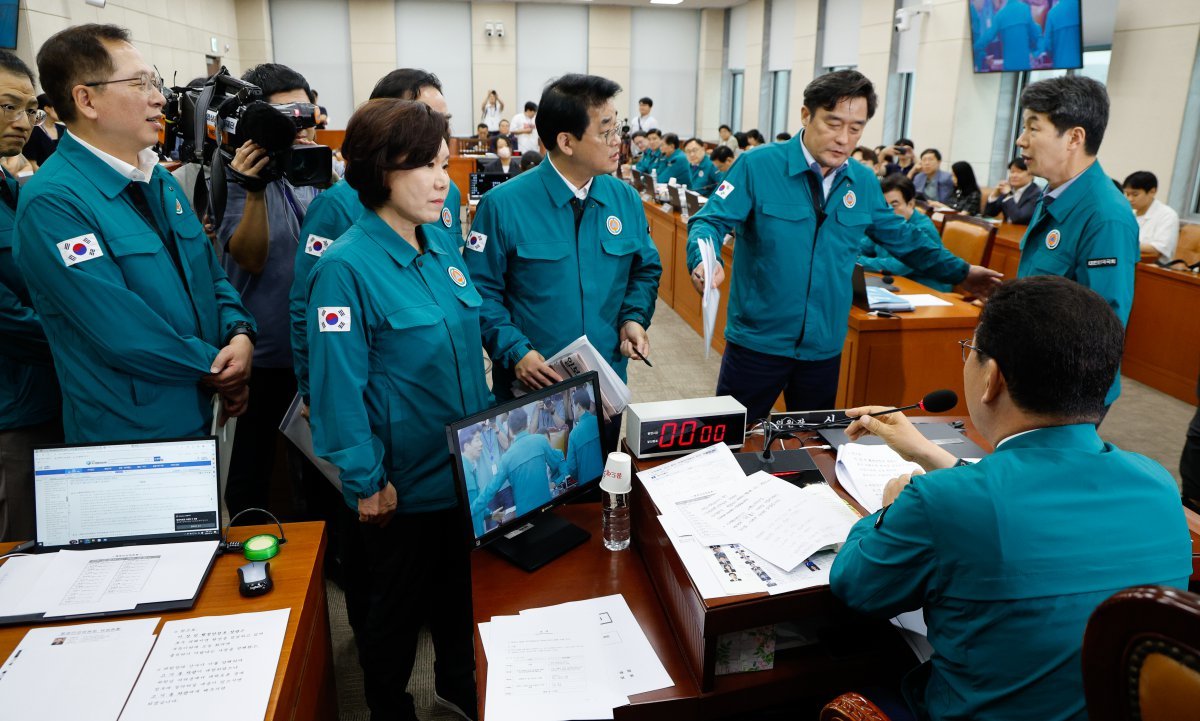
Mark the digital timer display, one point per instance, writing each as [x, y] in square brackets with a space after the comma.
[688, 434]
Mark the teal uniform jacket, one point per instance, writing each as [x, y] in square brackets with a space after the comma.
[394, 348]
[1008, 558]
[28, 387]
[1061, 36]
[704, 177]
[1019, 35]
[791, 292]
[675, 167]
[649, 161]
[530, 465]
[585, 461]
[1088, 235]
[876, 259]
[542, 288]
[329, 215]
[478, 475]
[131, 341]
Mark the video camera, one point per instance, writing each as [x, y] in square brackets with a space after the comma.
[212, 121]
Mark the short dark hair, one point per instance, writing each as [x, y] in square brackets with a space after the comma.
[671, 139]
[932, 151]
[831, 88]
[1057, 343]
[1142, 180]
[689, 141]
[905, 142]
[722, 153]
[754, 134]
[900, 182]
[467, 435]
[1019, 164]
[647, 101]
[654, 131]
[741, 139]
[44, 102]
[784, 136]
[481, 125]
[518, 420]
[868, 154]
[405, 84]
[530, 159]
[389, 134]
[74, 56]
[582, 398]
[566, 102]
[1072, 101]
[274, 78]
[965, 175]
[530, 105]
[723, 126]
[638, 134]
[15, 65]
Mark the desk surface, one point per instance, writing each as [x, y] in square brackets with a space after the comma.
[297, 692]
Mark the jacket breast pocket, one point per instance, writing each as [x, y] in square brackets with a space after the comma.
[134, 244]
[543, 252]
[780, 223]
[619, 244]
[1048, 262]
[853, 218]
[412, 336]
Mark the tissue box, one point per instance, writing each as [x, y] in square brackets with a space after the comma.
[751, 650]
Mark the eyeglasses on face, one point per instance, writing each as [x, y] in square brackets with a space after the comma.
[967, 348]
[147, 83]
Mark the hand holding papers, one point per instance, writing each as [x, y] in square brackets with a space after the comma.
[580, 356]
[712, 296]
[863, 471]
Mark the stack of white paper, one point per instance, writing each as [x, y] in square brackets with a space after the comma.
[712, 296]
[98, 663]
[577, 660]
[580, 356]
[863, 470]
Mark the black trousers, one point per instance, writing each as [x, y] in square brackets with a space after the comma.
[756, 380]
[418, 572]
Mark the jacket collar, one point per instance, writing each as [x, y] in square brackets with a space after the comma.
[99, 173]
[1082, 186]
[1078, 436]
[391, 242]
[560, 194]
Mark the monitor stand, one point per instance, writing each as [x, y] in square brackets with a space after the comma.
[539, 541]
[796, 466]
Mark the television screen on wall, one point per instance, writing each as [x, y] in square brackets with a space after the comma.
[8, 24]
[1015, 35]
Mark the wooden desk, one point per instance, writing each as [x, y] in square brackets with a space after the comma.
[303, 688]
[461, 167]
[1162, 343]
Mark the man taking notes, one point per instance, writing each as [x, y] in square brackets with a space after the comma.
[1010, 556]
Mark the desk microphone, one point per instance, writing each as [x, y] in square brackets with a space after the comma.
[933, 402]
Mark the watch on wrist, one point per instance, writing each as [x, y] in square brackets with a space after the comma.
[243, 329]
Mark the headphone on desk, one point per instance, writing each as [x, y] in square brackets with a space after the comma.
[260, 547]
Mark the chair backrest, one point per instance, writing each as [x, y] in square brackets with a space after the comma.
[968, 238]
[1189, 244]
[984, 192]
[1141, 656]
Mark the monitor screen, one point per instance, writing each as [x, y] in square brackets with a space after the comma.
[483, 182]
[527, 455]
[8, 24]
[109, 493]
[1008, 35]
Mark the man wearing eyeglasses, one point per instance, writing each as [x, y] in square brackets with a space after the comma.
[563, 251]
[30, 407]
[143, 324]
[1009, 557]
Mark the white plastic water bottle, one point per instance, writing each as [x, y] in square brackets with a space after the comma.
[614, 500]
[683, 207]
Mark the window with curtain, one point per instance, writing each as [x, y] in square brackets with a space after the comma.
[781, 82]
[737, 90]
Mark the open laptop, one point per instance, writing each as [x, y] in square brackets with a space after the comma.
[679, 197]
[115, 494]
[483, 182]
[636, 175]
[873, 297]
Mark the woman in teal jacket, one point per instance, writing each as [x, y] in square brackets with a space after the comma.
[395, 355]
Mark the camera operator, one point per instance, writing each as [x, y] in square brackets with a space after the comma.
[258, 238]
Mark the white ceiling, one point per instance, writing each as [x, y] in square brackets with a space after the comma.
[685, 5]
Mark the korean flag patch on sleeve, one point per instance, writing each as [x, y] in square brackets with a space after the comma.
[476, 241]
[334, 319]
[724, 189]
[77, 250]
[316, 245]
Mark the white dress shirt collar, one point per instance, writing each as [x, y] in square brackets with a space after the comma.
[147, 159]
[581, 193]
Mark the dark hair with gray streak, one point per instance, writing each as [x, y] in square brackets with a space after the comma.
[1071, 101]
[831, 88]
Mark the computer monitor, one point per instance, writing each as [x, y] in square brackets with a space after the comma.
[1022, 36]
[636, 175]
[517, 460]
[483, 182]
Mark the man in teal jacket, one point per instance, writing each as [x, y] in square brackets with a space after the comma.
[900, 193]
[1061, 36]
[674, 164]
[1019, 35]
[335, 210]
[585, 461]
[530, 465]
[142, 322]
[705, 176]
[652, 156]
[1010, 556]
[1083, 228]
[563, 251]
[801, 208]
[30, 405]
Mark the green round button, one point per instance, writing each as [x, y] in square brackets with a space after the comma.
[261, 547]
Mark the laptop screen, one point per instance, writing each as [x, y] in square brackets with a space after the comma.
[483, 182]
[164, 490]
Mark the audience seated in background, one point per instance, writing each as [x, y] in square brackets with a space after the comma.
[704, 173]
[905, 152]
[1158, 223]
[727, 138]
[930, 180]
[524, 126]
[482, 134]
[637, 144]
[722, 158]
[966, 189]
[743, 143]
[899, 193]
[530, 160]
[866, 156]
[504, 131]
[783, 137]
[652, 155]
[1016, 197]
[674, 164]
[503, 163]
[754, 139]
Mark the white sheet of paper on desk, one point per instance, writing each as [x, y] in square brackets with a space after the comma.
[544, 669]
[712, 296]
[97, 662]
[863, 471]
[19, 575]
[213, 667]
[629, 660]
[295, 428]
[780, 522]
[691, 474]
[924, 300]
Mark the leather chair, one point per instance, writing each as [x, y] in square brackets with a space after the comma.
[1188, 249]
[1141, 656]
[852, 706]
[969, 238]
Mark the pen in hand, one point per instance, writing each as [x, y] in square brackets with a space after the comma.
[642, 358]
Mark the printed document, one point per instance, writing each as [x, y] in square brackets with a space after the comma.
[712, 296]
[579, 357]
[863, 471]
[297, 430]
[686, 477]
